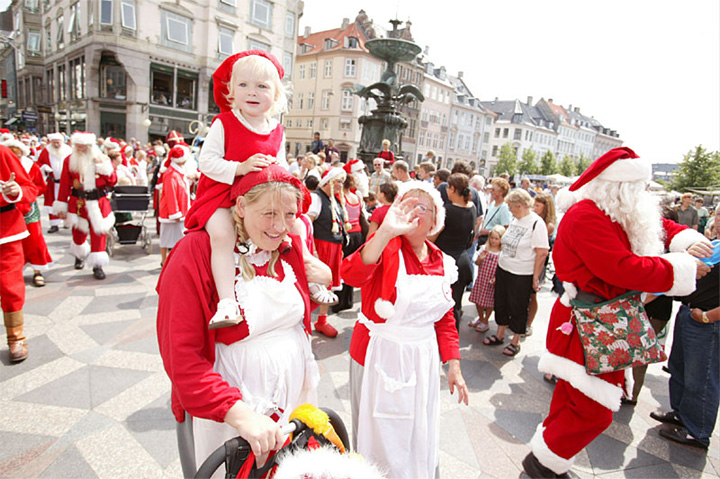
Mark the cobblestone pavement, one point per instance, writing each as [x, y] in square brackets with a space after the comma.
[92, 399]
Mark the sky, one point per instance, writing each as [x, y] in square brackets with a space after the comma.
[649, 69]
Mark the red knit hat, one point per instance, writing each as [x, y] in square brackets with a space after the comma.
[221, 77]
[618, 165]
[273, 172]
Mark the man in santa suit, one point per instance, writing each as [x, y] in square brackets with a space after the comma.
[174, 199]
[51, 162]
[83, 200]
[609, 243]
[16, 191]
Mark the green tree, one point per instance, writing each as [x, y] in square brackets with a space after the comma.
[507, 160]
[548, 163]
[527, 165]
[582, 164]
[699, 169]
[567, 166]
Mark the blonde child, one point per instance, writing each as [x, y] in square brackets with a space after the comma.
[483, 292]
[243, 138]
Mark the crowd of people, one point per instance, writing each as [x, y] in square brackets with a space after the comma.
[256, 240]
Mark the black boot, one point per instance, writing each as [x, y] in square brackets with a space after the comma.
[98, 273]
[533, 468]
[53, 229]
[79, 263]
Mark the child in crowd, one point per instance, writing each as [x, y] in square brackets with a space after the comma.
[386, 196]
[243, 138]
[483, 292]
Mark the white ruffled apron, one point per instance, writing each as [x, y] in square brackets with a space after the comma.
[273, 366]
[399, 405]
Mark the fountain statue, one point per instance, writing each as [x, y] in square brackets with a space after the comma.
[386, 122]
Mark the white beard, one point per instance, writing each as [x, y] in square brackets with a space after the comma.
[633, 208]
[84, 164]
[362, 183]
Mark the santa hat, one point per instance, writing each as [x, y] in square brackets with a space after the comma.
[25, 139]
[353, 166]
[330, 174]
[271, 173]
[390, 257]
[56, 136]
[13, 143]
[177, 153]
[127, 150]
[173, 137]
[6, 137]
[221, 77]
[4, 130]
[111, 144]
[83, 138]
[617, 165]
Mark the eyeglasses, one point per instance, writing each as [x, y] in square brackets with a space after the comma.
[422, 209]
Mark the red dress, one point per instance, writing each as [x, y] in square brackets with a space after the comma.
[483, 292]
[240, 144]
[34, 247]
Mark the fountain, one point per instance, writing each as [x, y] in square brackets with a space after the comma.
[386, 122]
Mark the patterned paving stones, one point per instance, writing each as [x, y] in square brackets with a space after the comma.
[93, 399]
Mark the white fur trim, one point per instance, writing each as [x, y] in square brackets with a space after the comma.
[98, 259]
[80, 251]
[332, 173]
[81, 138]
[684, 272]
[59, 207]
[17, 198]
[593, 387]
[326, 463]
[76, 222]
[385, 309]
[13, 143]
[56, 136]
[105, 168]
[565, 198]
[10, 239]
[629, 383]
[39, 267]
[538, 446]
[430, 189]
[100, 224]
[627, 169]
[685, 239]
[570, 293]
[6, 136]
[109, 144]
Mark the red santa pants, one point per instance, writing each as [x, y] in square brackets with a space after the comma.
[575, 420]
[12, 285]
[97, 242]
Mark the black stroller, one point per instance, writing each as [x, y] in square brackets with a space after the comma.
[130, 204]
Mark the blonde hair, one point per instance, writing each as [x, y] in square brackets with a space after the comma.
[499, 229]
[259, 67]
[519, 197]
[275, 188]
[386, 142]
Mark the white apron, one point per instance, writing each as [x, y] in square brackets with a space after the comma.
[399, 403]
[273, 366]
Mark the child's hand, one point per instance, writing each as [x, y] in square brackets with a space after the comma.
[255, 163]
[481, 257]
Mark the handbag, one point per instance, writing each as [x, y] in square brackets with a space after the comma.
[616, 334]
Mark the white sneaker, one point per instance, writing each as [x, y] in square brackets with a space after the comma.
[228, 314]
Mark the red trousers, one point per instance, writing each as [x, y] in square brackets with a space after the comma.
[97, 242]
[12, 284]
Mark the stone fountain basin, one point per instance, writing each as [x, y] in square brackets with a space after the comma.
[393, 50]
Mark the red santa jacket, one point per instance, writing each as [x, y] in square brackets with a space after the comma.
[368, 277]
[187, 302]
[175, 195]
[51, 163]
[594, 254]
[12, 223]
[90, 179]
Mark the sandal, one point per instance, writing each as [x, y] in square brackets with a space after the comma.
[321, 295]
[38, 280]
[493, 341]
[474, 323]
[482, 327]
[228, 314]
[511, 349]
[550, 378]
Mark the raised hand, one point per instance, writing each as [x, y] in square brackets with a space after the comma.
[10, 188]
[402, 217]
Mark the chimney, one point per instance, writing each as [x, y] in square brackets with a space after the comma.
[307, 31]
[550, 100]
[577, 109]
[529, 101]
[569, 108]
[426, 51]
[345, 23]
[460, 75]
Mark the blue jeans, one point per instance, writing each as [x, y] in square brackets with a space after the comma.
[694, 369]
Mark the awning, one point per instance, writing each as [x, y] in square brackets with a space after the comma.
[10, 121]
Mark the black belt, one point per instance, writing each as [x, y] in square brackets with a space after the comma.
[95, 194]
[6, 208]
[589, 297]
[50, 179]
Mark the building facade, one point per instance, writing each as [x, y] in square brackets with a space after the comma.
[137, 69]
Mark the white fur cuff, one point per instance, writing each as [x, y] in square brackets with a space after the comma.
[685, 239]
[546, 457]
[80, 251]
[16, 199]
[684, 272]
[59, 207]
[105, 168]
[98, 259]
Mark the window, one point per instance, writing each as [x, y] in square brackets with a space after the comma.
[345, 124]
[228, 2]
[261, 13]
[112, 79]
[313, 70]
[518, 134]
[325, 105]
[287, 64]
[486, 137]
[328, 68]
[62, 93]
[309, 123]
[300, 101]
[495, 150]
[33, 6]
[50, 80]
[77, 78]
[186, 90]
[33, 43]
[506, 131]
[176, 31]
[301, 72]
[106, 12]
[161, 79]
[323, 123]
[298, 123]
[48, 39]
[350, 67]
[128, 14]
[74, 23]
[288, 123]
[255, 45]
[311, 100]
[289, 25]
[351, 42]
[347, 100]
[422, 138]
[225, 42]
[60, 32]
